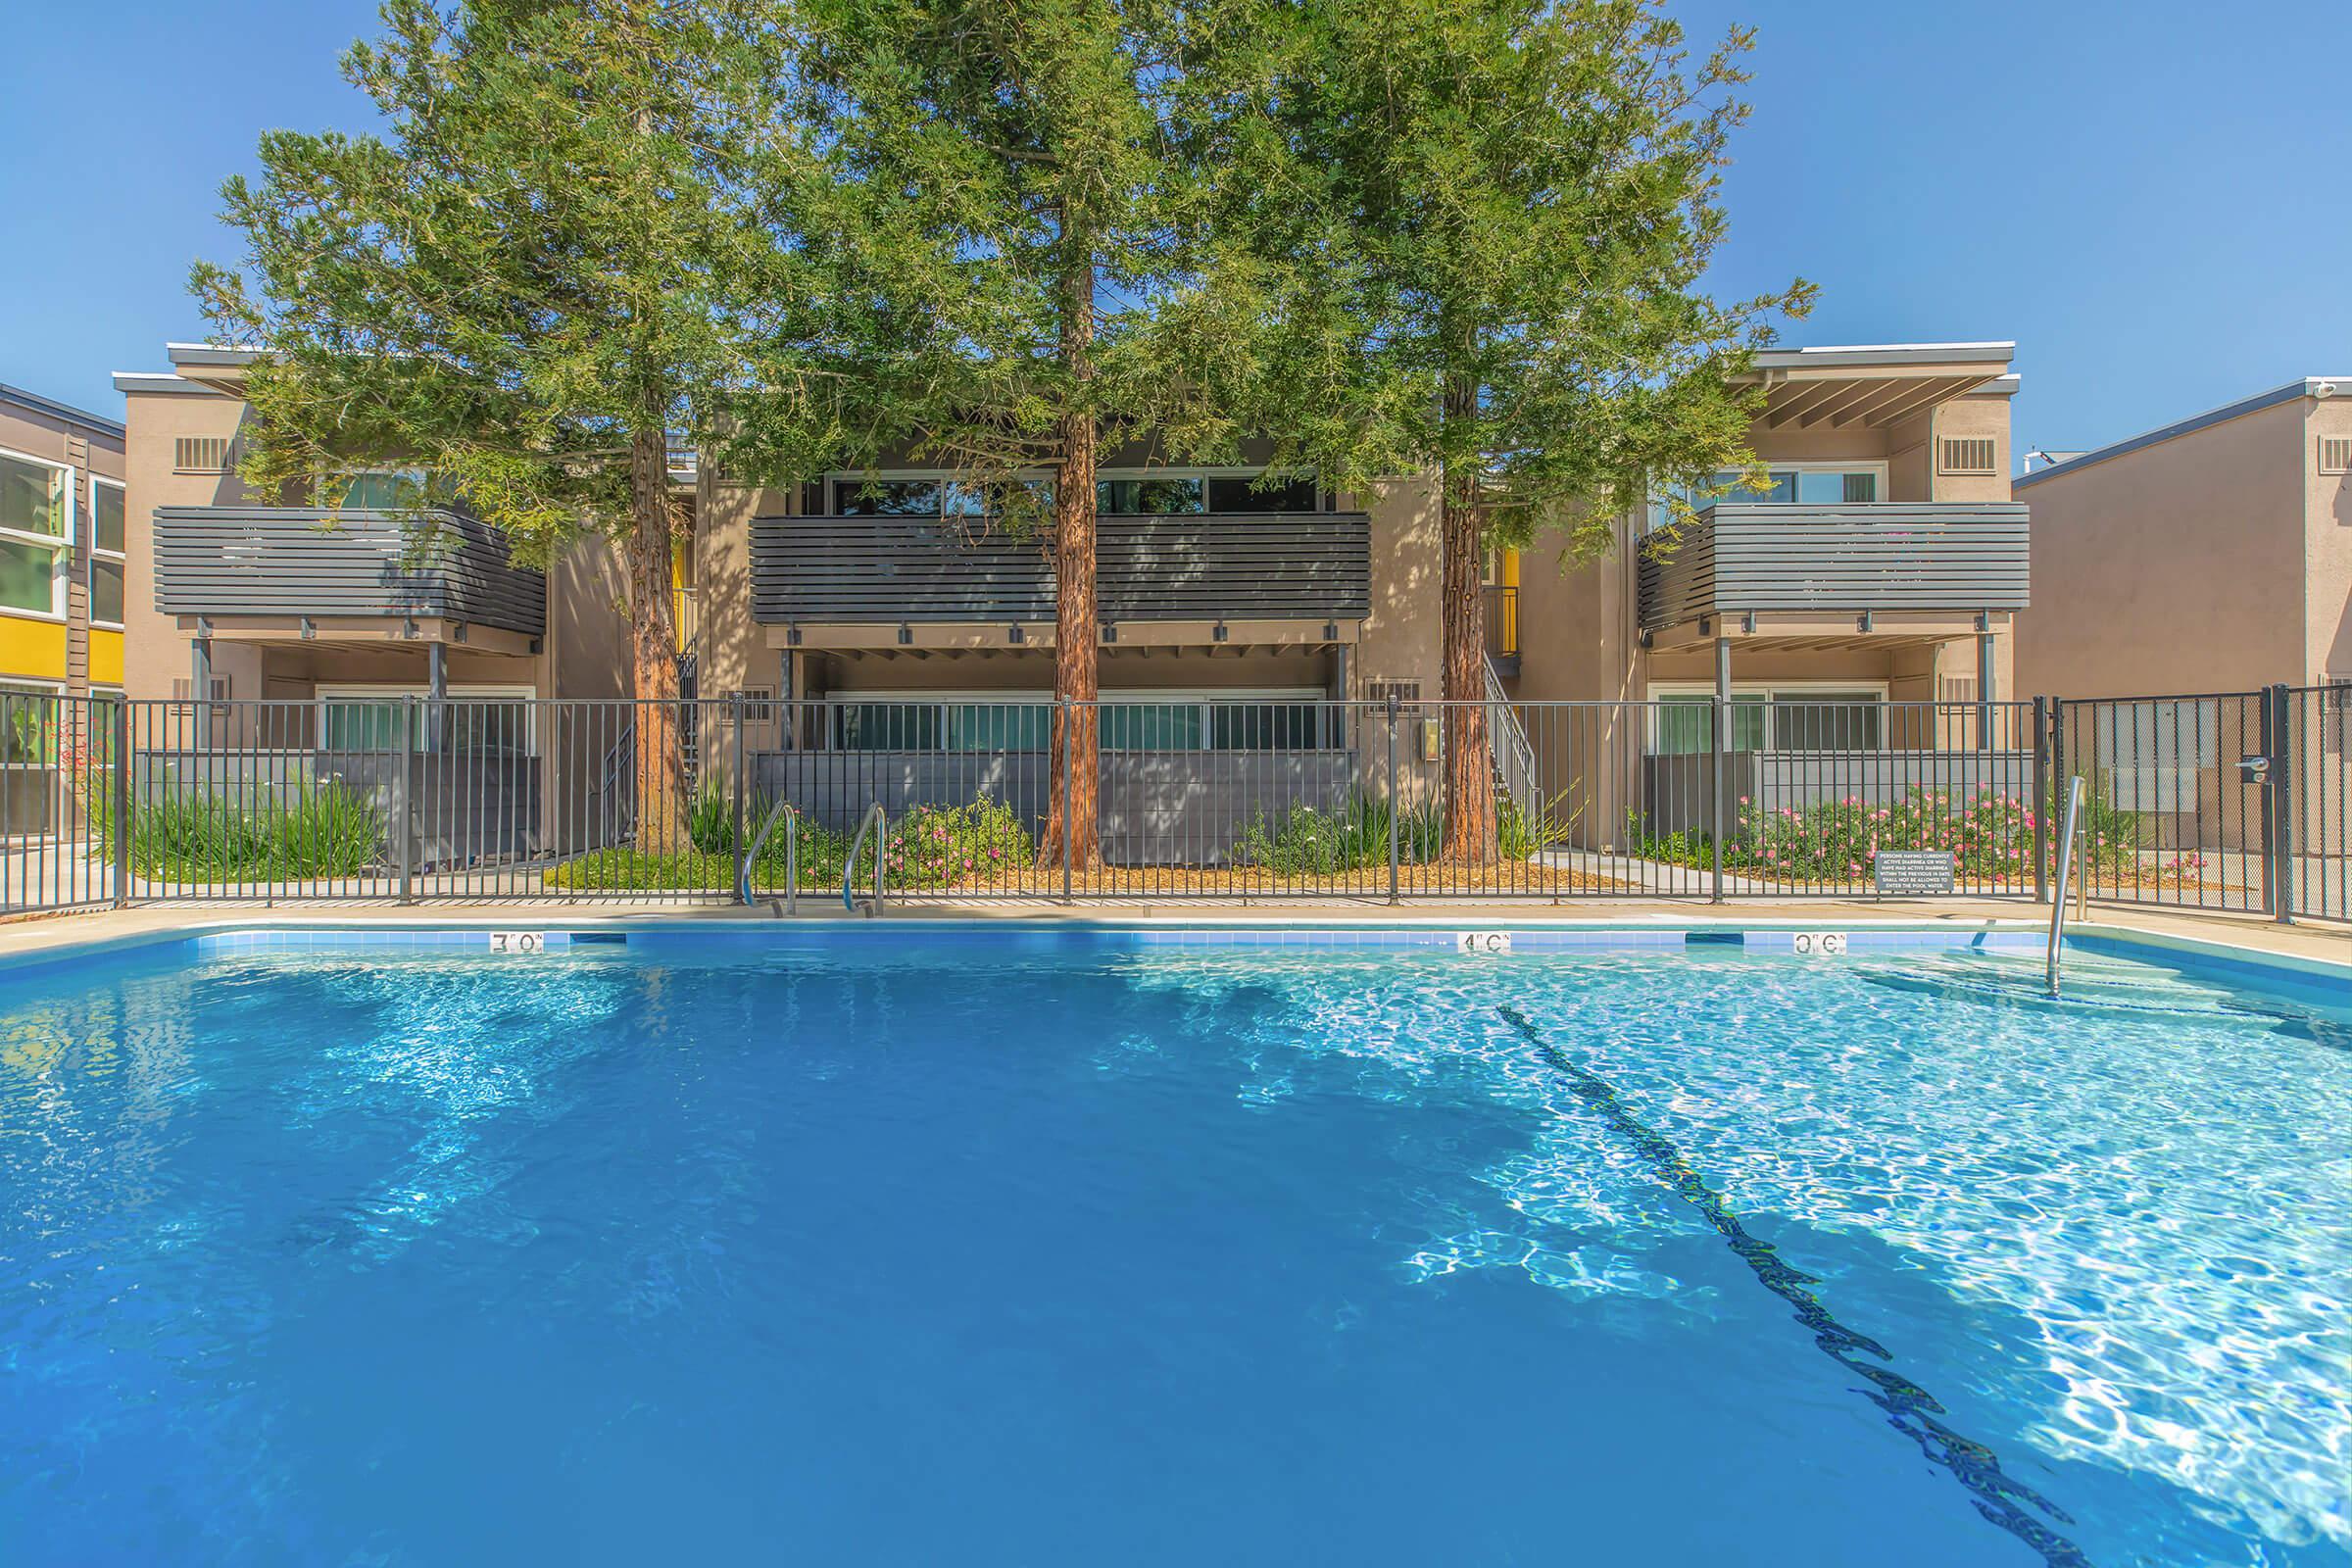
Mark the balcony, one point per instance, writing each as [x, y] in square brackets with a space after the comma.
[1276, 567]
[1929, 569]
[256, 566]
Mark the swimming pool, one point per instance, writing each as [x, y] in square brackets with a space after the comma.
[905, 1249]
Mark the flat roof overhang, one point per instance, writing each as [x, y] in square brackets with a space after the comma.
[371, 632]
[923, 638]
[1874, 386]
[1813, 630]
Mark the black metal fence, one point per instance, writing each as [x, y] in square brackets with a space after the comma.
[2229, 801]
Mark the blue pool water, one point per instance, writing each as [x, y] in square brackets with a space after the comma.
[971, 1252]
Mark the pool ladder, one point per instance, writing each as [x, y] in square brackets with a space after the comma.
[2068, 838]
[879, 821]
[777, 813]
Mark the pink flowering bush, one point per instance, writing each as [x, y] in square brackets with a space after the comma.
[1990, 837]
[939, 846]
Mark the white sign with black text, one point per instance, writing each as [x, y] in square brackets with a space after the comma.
[1483, 942]
[1820, 944]
[522, 944]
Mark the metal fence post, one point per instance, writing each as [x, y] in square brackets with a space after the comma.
[406, 807]
[121, 802]
[735, 718]
[2041, 800]
[2267, 712]
[1395, 805]
[2277, 793]
[1719, 734]
[1070, 818]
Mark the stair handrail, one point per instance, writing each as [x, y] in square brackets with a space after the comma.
[2066, 859]
[1505, 733]
[875, 817]
[792, 856]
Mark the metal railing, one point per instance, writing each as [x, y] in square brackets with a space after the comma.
[405, 798]
[2069, 837]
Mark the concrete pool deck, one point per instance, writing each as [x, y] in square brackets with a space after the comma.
[2327, 948]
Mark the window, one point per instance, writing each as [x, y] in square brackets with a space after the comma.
[1965, 453]
[36, 525]
[1165, 495]
[200, 454]
[106, 553]
[1178, 721]
[1240, 494]
[1789, 719]
[28, 714]
[475, 721]
[1158, 493]
[2335, 454]
[383, 490]
[1796, 484]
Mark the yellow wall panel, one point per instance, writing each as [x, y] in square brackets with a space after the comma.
[106, 657]
[34, 650]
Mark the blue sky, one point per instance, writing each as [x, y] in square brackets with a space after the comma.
[2148, 200]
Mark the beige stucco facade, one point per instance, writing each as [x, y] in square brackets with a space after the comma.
[2210, 556]
[58, 645]
[583, 652]
[1581, 635]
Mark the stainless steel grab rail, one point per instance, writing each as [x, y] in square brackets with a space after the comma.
[792, 856]
[2066, 861]
[875, 817]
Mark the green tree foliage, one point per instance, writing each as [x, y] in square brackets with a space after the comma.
[1046, 267]
[569, 246]
[1491, 221]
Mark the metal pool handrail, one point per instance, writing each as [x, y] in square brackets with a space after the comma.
[2066, 860]
[792, 856]
[875, 817]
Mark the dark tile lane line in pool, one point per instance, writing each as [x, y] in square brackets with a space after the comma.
[1910, 1409]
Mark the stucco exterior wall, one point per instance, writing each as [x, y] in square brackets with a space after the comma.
[155, 653]
[2176, 568]
[2328, 546]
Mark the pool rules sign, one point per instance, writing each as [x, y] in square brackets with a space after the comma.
[1912, 874]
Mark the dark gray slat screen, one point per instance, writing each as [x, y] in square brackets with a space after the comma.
[1958, 556]
[1275, 565]
[280, 561]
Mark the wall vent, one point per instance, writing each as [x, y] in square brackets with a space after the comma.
[2335, 454]
[1965, 454]
[200, 454]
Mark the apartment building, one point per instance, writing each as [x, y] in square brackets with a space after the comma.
[236, 596]
[61, 548]
[2210, 555]
[1884, 563]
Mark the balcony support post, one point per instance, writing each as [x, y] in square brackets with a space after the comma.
[1720, 734]
[200, 686]
[437, 692]
[1985, 692]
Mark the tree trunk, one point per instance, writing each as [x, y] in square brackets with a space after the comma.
[1469, 765]
[654, 643]
[1077, 761]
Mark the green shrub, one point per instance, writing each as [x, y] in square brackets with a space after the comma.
[203, 836]
[940, 846]
[1316, 843]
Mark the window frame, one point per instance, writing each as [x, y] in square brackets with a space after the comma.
[120, 559]
[349, 692]
[1204, 698]
[1762, 694]
[61, 545]
[1877, 468]
[838, 484]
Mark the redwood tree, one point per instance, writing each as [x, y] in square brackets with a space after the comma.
[1018, 210]
[568, 246]
[1492, 220]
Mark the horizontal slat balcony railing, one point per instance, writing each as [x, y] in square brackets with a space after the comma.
[298, 560]
[1272, 567]
[1891, 555]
